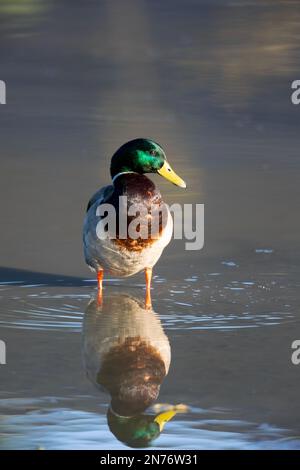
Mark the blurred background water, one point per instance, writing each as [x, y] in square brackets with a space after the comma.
[211, 81]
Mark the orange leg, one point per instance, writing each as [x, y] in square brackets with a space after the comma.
[100, 280]
[148, 276]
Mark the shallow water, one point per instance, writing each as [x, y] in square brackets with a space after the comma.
[234, 330]
[210, 80]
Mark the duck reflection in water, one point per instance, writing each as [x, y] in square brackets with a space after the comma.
[127, 353]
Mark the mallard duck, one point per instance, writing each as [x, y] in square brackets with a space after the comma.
[127, 256]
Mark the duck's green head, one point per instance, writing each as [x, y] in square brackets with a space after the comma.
[143, 156]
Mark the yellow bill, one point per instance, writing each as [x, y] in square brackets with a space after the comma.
[164, 417]
[170, 175]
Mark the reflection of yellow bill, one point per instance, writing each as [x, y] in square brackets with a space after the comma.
[164, 417]
[170, 175]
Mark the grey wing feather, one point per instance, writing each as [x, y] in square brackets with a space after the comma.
[101, 196]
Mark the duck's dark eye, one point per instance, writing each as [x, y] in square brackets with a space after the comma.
[153, 152]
